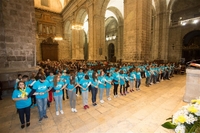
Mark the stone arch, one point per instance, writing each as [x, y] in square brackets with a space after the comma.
[191, 45]
[79, 36]
[117, 20]
[67, 30]
[117, 13]
[80, 16]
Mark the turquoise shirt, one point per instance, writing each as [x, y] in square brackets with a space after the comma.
[101, 80]
[21, 103]
[57, 88]
[108, 79]
[41, 87]
[85, 84]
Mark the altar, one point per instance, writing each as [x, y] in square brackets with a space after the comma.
[192, 88]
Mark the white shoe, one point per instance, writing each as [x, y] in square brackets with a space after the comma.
[72, 109]
[109, 98]
[115, 96]
[61, 112]
[101, 101]
[75, 110]
[77, 95]
[57, 112]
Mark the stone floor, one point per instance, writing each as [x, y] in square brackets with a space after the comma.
[139, 112]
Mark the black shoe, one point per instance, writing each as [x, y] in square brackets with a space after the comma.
[48, 104]
[45, 116]
[40, 120]
[22, 126]
[28, 124]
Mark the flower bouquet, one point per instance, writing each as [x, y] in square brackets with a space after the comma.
[185, 120]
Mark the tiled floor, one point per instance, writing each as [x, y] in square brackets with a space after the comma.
[139, 112]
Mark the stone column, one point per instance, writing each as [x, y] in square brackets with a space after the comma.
[161, 32]
[137, 28]
[91, 48]
[96, 46]
[119, 42]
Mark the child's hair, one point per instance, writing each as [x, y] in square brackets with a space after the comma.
[72, 79]
[19, 83]
[86, 77]
[94, 75]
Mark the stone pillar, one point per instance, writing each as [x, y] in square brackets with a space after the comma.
[161, 20]
[137, 30]
[17, 34]
[91, 49]
[163, 32]
[96, 46]
[119, 43]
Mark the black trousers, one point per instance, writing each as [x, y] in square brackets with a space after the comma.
[78, 89]
[64, 95]
[115, 89]
[22, 112]
[127, 85]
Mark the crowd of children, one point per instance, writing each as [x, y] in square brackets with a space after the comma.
[54, 79]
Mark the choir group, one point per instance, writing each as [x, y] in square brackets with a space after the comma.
[55, 80]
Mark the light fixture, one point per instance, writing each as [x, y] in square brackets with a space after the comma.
[114, 37]
[195, 21]
[183, 23]
[107, 38]
[189, 21]
[58, 38]
[77, 27]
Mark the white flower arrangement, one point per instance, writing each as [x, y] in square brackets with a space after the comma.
[186, 120]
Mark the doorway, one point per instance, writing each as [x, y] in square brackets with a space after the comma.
[49, 49]
[111, 53]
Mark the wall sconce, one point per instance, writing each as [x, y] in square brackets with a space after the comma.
[58, 38]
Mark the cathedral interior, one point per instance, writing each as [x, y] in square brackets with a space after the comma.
[112, 30]
[130, 31]
[97, 30]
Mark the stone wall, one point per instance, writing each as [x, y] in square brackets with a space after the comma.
[181, 10]
[51, 19]
[17, 34]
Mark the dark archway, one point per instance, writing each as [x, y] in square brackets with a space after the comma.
[191, 46]
[111, 53]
